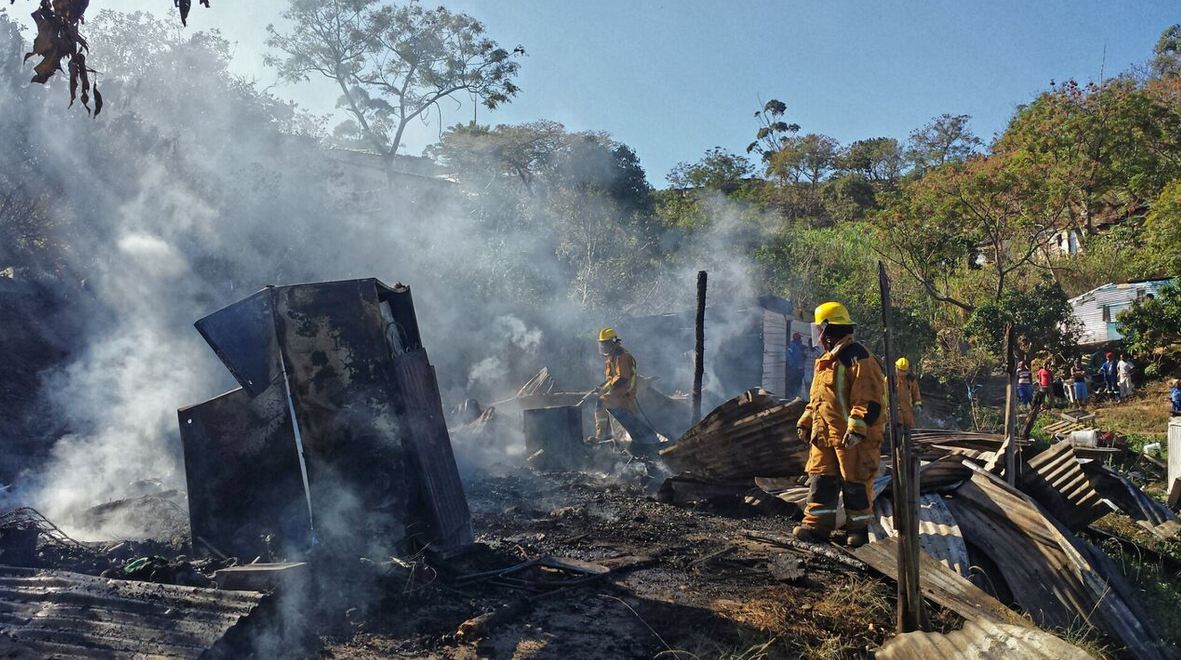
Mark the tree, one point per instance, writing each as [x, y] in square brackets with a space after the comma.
[1042, 319]
[944, 139]
[879, 160]
[1162, 233]
[718, 169]
[392, 64]
[1166, 60]
[987, 213]
[538, 191]
[774, 133]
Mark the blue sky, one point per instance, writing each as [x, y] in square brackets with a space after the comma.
[673, 79]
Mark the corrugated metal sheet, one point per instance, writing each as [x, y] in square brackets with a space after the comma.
[938, 583]
[775, 352]
[1053, 575]
[752, 435]
[939, 535]
[1057, 481]
[981, 640]
[62, 614]
[1147, 512]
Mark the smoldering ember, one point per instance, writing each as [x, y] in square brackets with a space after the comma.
[318, 340]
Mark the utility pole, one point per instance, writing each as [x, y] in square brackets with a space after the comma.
[699, 350]
[904, 483]
[1010, 407]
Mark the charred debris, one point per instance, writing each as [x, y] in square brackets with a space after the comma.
[325, 514]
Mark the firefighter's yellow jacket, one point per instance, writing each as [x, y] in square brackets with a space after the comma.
[620, 380]
[908, 397]
[847, 393]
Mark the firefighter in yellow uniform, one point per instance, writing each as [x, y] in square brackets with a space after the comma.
[843, 423]
[910, 400]
[619, 383]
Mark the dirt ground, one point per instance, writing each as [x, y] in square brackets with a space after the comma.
[684, 583]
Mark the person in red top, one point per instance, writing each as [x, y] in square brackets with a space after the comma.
[1045, 381]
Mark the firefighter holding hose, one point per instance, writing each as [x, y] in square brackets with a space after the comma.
[619, 385]
[843, 423]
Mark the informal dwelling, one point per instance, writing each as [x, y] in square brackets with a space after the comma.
[1098, 309]
[336, 435]
[745, 347]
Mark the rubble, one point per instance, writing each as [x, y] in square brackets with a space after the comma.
[981, 639]
[50, 613]
[752, 435]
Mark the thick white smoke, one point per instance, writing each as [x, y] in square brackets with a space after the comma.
[193, 190]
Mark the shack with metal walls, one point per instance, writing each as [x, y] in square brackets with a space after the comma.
[746, 346]
[337, 433]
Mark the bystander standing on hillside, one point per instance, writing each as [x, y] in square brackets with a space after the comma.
[1125, 368]
[1078, 385]
[1024, 384]
[1110, 375]
[1045, 381]
[1175, 397]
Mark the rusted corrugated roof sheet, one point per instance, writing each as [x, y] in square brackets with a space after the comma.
[62, 614]
[938, 583]
[751, 435]
[939, 535]
[1055, 576]
[1057, 481]
[983, 640]
[1147, 512]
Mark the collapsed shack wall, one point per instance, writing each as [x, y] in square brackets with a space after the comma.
[347, 358]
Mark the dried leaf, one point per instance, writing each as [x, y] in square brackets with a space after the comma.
[98, 101]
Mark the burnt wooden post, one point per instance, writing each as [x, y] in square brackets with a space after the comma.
[1010, 408]
[699, 350]
[904, 483]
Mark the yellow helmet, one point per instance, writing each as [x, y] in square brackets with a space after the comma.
[832, 312]
[607, 334]
[902, 363]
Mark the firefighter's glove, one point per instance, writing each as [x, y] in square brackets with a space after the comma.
[851, 440]
[804, 434]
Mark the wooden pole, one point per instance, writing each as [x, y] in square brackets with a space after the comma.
[904, 482]
[1010, 407]
[699, 349]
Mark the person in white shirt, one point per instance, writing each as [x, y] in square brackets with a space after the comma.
[1125, 368]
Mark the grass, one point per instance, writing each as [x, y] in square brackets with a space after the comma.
[1142, 419]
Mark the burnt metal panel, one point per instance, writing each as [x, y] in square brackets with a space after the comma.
[555, 431]
[332, 341]
[347, 357]
[62, 614]
[243, 474]
[425, 429]
[243, 336]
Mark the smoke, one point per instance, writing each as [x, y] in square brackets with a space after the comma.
[195, 189]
